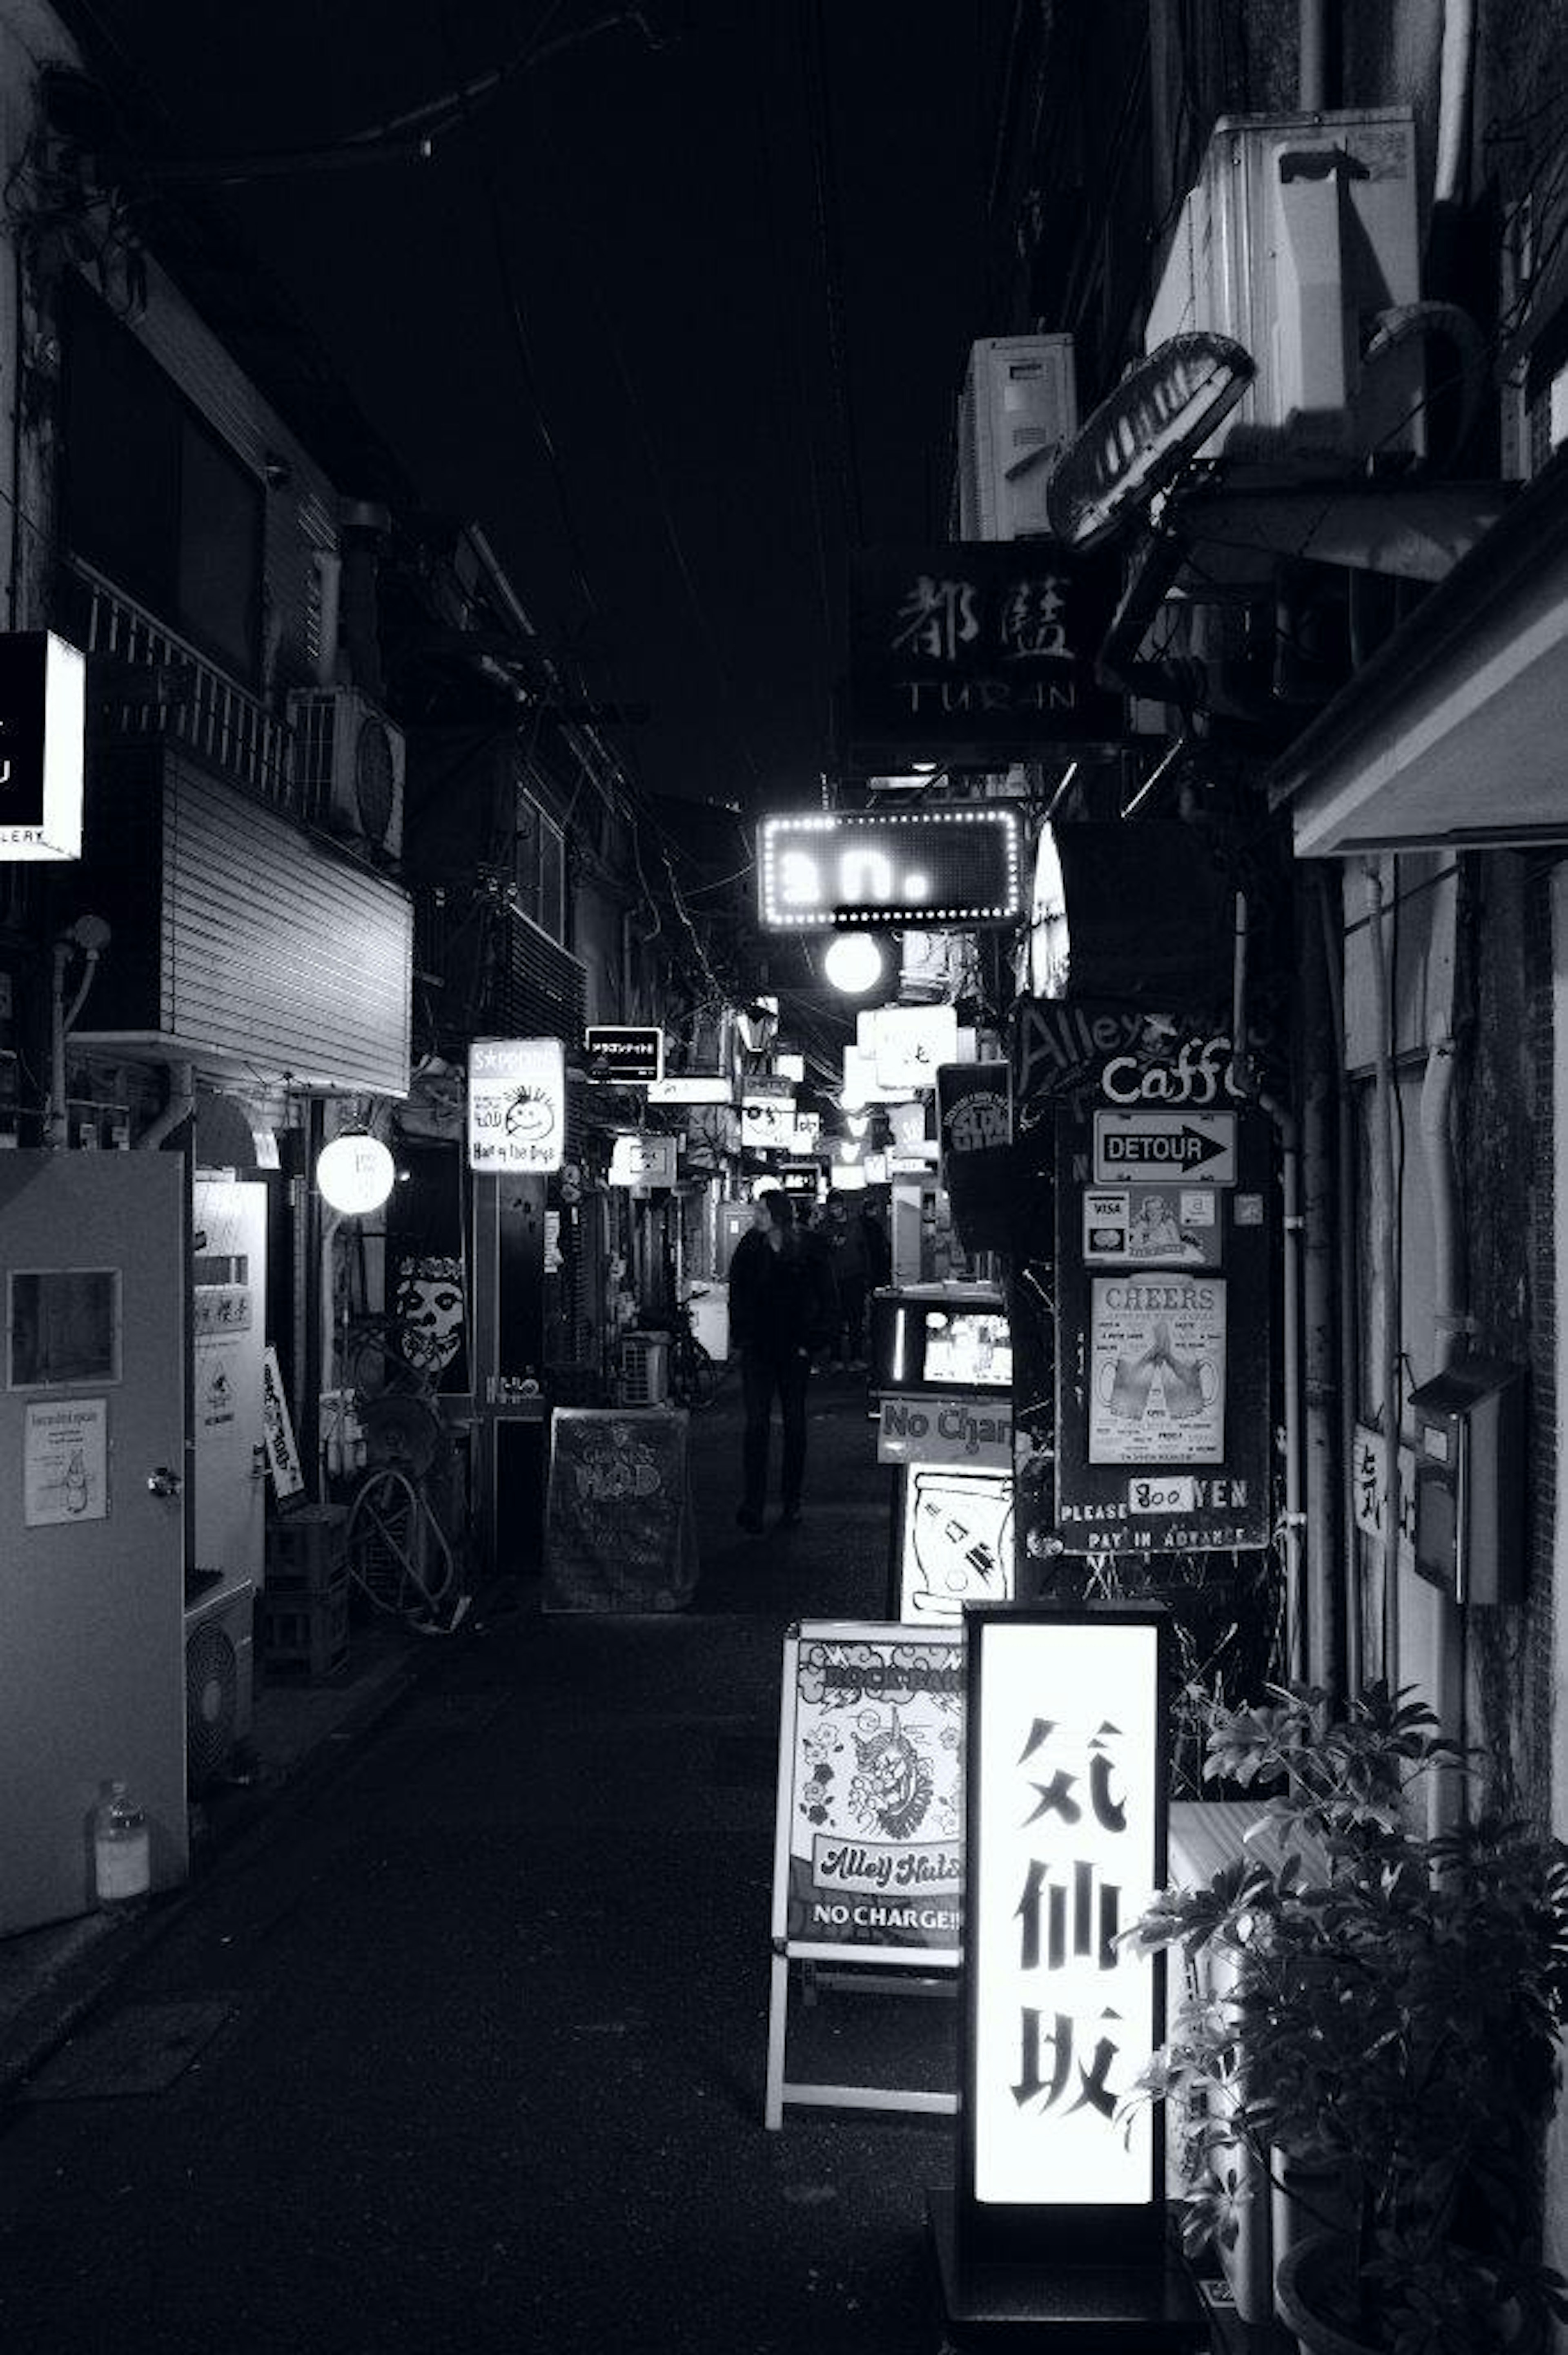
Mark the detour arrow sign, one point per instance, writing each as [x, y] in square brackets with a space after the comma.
[1177, 1145]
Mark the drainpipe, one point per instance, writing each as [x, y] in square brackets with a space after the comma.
[1242, 1083]
[1349, 1308]
[1454, 101]
[1445, 1791]
[1323, 1457]
[178, 1109]
[1312, 83]
[1389, 1304]
[88, 936]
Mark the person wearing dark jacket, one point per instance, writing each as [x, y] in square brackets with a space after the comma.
[782, 1310]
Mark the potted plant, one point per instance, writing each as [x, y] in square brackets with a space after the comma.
[1394, 2003]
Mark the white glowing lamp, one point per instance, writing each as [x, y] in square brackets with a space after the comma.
[355, 1174]
[852, 963]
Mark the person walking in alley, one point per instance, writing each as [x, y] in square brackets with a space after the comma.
[782, 1310]
[858, 1253]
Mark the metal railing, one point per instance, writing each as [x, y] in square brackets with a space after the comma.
[153, 683]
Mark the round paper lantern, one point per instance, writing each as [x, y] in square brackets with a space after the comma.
[355, 1174]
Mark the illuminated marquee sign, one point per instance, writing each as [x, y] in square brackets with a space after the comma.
[43, 740]
[516, 1104]
[1065, 1845]
[869, 867]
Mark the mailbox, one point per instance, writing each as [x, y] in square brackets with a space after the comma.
[1469, 1480]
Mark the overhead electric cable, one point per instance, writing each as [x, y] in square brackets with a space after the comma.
[819, 126]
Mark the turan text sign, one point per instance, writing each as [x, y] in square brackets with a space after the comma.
[977, 652]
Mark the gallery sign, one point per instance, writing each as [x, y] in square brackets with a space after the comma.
[1065, 1845]
[516, 1104]
[43, 746]
[977, 652]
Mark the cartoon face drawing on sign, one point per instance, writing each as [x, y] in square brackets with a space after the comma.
[530, 1115]
[429, 1308]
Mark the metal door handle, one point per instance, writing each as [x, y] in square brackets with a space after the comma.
[162, 1482]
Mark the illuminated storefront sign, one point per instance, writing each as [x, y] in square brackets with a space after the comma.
[824, 868]
[906, 1044]
[43, 742]
[692, 1088]
[642, 1161]
[516, 1104]
[619, 1052]
[1065, 1844]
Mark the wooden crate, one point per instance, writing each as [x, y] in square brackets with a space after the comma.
[306, 1553]
[305, 1635]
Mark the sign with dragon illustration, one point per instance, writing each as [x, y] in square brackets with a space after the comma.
[868, 1855]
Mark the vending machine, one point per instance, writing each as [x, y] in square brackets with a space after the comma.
[941, 1379]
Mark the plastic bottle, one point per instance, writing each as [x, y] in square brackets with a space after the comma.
[122, 1854]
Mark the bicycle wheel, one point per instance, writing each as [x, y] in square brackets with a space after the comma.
[387, 1542]
[698, 1377]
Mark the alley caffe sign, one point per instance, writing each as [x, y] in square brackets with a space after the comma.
[43, 739]
[977, 653]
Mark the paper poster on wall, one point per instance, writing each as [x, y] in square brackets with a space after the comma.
[1158, 1225]
[215, 1372]
[65, 1463]
[1157, 1369]
[868, 1854]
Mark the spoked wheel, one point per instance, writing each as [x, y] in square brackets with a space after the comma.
[397, 1555]
[698, 1377]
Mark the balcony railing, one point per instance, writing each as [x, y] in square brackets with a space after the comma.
[146, 681]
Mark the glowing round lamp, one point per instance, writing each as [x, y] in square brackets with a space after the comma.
[852, 963]
[355, 1174]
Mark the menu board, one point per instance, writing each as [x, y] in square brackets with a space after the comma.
[619, 1527]
[868, 1858]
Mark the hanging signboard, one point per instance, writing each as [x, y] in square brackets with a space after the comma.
[278, 1430]
[768, 1123]
[979, 652]
[1065, 1845]
[954, 1539]
[619, 1052]
[692, 1088]
[906, 1044]
[641, 1162]
[516, 1104]
[43, 746]
[870, 867]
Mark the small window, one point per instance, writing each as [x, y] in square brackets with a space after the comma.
[63, 1327]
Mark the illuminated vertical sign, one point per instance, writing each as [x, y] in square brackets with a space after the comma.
[43, 742]
[516, 1104]
[1065, 1817]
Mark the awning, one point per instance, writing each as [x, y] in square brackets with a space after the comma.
[1456, 734]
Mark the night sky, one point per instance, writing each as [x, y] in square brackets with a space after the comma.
[598, 321]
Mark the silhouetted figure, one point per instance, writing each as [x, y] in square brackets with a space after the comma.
[782, 1310]
[860, 1259]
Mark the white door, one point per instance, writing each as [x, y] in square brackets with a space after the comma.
[228, 1324]
[93, 1250]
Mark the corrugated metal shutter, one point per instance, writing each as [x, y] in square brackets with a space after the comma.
[275, 952]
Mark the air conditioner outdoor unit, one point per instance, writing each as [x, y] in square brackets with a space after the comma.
[219, 1678]
[349, 767]
[1298, 235]
[1018, 409]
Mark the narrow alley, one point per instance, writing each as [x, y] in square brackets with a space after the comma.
[477, 2027]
